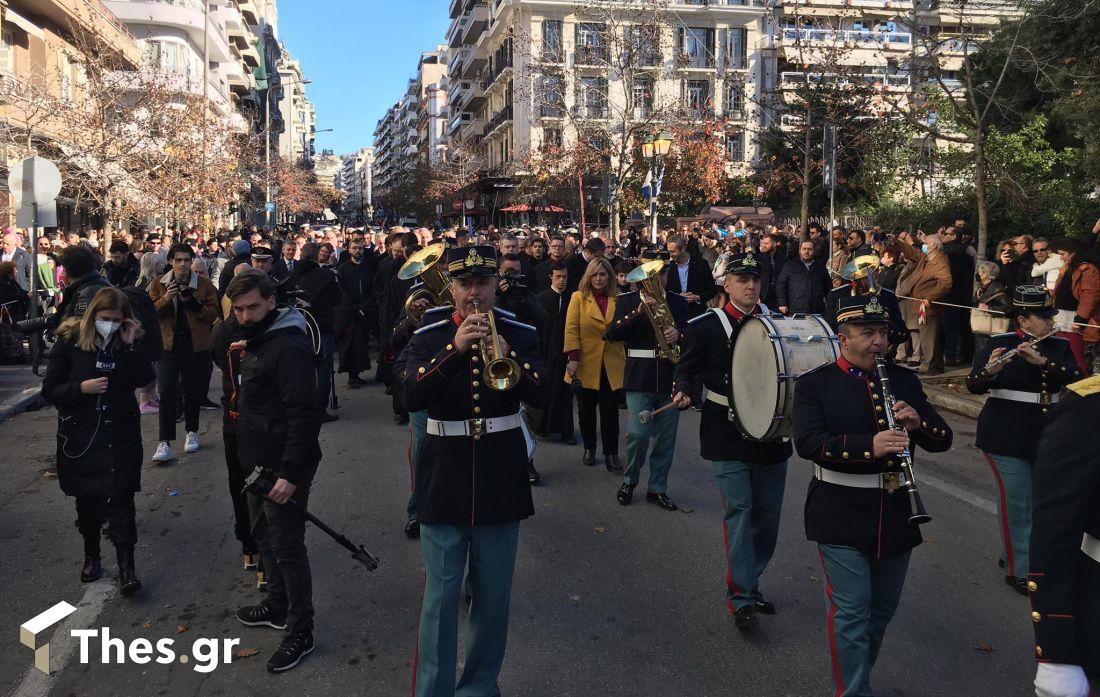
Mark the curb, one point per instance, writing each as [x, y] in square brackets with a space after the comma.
[943, 398]
[29, 399]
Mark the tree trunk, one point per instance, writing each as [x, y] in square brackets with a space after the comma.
[615, 216]
[979, 192]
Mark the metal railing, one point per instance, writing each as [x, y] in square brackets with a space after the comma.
[847, 36]
[796, 79]
[500, 118]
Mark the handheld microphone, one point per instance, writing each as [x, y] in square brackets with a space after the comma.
[105, 365]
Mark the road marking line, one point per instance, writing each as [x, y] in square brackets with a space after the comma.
[63, 645]
[958, 492]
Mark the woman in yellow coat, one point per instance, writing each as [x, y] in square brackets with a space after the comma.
[597, 364]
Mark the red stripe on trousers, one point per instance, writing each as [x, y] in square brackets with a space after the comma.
[1006, 534]
[733, 589]
[837, 677]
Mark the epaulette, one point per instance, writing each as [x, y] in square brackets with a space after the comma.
[1001, 336]
[693, 320]
[433, 325]
[814, 370]
[514, 323]
[441, 308]
[502, 311]
[1086, 387]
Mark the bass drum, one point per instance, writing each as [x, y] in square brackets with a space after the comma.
[769, 354]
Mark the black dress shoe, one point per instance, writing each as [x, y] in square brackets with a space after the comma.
[661, 500]
[625, 495]
[412, 529]
[355, 382]
[569, 440]
[744, 617]
[611, 462]
[328, 417]
[1017, 584]
[763, 605]
[533, 475]
[589, 458]
[92, 569]
[128, 582]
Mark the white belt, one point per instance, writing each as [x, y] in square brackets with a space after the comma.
[859, 481]
[1018, 396]
[641, 353]
[1091, 546]
[473, 427]
[715, 397]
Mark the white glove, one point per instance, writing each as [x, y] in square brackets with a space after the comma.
[1060, 680]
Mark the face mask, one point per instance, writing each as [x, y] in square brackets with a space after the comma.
[106, 328]
[924, 248]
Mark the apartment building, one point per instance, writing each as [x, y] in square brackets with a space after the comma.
[703, 60]
[355, 179]
[413, 131]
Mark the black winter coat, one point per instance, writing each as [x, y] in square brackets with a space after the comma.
[802, 290]
[98, 451]
[77, 296]
[322, 291]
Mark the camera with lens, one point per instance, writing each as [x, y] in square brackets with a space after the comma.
[34, 326]
[517, 284]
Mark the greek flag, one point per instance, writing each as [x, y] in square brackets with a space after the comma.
[648, 190]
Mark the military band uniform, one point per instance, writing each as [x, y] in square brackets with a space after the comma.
[751, 475]
[647, 383]
[1064, 579]
[473, 492]
[855, 512]
[1009, 425]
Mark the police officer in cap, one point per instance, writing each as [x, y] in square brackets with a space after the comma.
[472, 481]
[1021, 391]
[751, 475]
[855, 510]
[647, 383]
[1065, 547]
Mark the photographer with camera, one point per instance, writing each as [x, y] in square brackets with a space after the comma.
[515, 295]
[187, 305]
[94, 368]
[84, 281]
[278, 423]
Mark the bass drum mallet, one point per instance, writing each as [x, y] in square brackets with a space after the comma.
[646, 415]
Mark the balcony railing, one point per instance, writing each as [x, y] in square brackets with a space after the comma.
[695, 60]
[593, 111]
[722, 3]
[698, 114]
[854, 37]
[798, 79]
[551, 111]
[591, 55]
[501, 117]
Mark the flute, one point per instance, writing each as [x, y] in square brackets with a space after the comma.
[1009, 355]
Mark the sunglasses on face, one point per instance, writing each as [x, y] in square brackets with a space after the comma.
[1040, 249]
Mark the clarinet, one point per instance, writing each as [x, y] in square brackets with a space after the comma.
[918, 515]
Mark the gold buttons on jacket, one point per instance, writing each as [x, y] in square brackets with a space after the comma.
[874, 397]
[866, 454]
[536, 376]
[828, 454]
[878, 407]
[475, 371]
[1032, 586]
[1035, 617]
[882, 422]
[844, 454]
[475, 383]
[450, 347]
[477, 396]
[421, 371]
[526, 366]
[1038, 651]
[477, 410]
[924, 424]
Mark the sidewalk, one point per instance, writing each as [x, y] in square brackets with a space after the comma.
[18, 390]
[948, 391]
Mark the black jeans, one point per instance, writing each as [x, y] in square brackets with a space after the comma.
[280, 533]
[118, 512]
[608, 401]
[193, 366]
[958, 341]
[242, 521]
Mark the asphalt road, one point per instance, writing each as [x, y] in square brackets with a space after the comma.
[607, 600]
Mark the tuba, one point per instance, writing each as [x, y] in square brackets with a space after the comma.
[647, 276]
[501, 372]
[426, 264]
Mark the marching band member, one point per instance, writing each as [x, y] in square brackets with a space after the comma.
[472, 485]
[648, 385]
[1021, 392]
[853, 509]
[750, 475]
[1065, 547]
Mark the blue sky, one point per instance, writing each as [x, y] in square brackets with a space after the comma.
[359, 55]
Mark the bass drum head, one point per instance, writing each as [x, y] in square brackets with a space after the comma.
[754, 372]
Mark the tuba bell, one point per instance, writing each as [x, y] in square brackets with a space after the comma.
[426, 264]
[652, 297]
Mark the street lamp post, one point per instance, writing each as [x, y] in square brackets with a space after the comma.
[654, 149]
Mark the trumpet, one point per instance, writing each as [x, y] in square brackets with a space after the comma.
[1009, 355]
[918, 515]
[501, 372]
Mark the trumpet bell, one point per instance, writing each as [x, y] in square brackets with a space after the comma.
[647, 270]
[421, 261]
[859, 267]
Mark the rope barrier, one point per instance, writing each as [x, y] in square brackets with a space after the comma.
[971, 308]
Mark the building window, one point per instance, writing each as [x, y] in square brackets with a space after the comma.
[642, 98]
[552, 47]
[737, 49]
[591, 47]
[592, 97]
[552, 137]
[697, 98]
[551, 90]
[735, 146]
[735, 101]
[641, 45]
[697, 47]
[6, 61]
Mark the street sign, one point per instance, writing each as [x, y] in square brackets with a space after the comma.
[35, 184]
[269, 208]
[470, 204]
